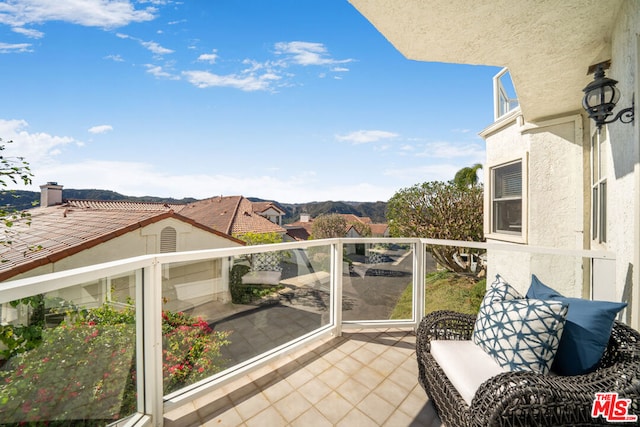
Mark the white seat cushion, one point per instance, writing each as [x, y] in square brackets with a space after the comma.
[465, 364]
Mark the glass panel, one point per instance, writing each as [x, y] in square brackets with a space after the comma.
[377, 282]
[508, 181]
[595, 208]
[507, 216]
[461, 290]
[68, 356]
[221, 312]
[603, 211]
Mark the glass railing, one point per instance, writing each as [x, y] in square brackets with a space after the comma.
[126, 341]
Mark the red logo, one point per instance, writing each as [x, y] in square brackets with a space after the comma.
[611, 408]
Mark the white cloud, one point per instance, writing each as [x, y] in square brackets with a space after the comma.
[307, 53]
[340, 69]
[204, 79]
[159, 72]
[100, 129]
[13, 48]
[155, 48]
[209, 57]
[115, 58]
[29, 32]
[36, 148]
[449, 150]
[365, 136]
[90, 13]
[142, 179]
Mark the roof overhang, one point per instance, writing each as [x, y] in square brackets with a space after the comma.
[548, 45]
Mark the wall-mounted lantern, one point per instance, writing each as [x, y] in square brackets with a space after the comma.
[601, 96]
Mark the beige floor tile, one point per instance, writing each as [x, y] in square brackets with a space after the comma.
[318, 366]
[334, 407]
[356, 418]
[228, 418]
[311, 418]
[251, 406]
[277, 391]
[292, 406]
[364, 355]
[368, 377]
[299, 378]
[333, 377]
[268, 417]
[353, 391]
[391, 392]
[383, 366]
[314, 391]
[376, 408]
[349, 365]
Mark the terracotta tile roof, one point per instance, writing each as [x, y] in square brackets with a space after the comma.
[124, 205]
[378, 229]
[307, 225]
[67, 229]
[230, 214]
[297, 233]
[350, 218]
[260, 207]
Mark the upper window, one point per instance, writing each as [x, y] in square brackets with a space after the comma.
[598, 188]
[168, 240]
[506, 197]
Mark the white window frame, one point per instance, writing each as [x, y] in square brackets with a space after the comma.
[491, 231]
[598, 166]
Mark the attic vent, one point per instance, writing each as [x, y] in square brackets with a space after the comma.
[168, 240]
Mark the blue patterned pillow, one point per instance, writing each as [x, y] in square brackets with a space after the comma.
[498, 291]
[586, 333]
[522, 334]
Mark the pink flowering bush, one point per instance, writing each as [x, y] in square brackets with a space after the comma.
[83, 371]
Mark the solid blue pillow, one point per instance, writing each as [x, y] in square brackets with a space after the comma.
[586, 331]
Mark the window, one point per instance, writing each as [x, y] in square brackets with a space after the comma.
[598, 188]
[168, 240]
[506, 200]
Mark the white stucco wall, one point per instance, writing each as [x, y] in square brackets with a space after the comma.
[142, 241]
[623, 178]
[553, 203]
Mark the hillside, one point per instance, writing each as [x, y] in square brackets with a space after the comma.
[21, 200]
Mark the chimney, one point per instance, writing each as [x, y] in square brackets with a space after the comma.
[50, 194]
[305, 217]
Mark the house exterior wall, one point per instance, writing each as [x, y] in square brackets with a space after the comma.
[552, 202]
[623, 229]
[557, 178]
[143, 241]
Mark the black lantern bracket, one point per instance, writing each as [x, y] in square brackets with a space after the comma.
[601, 96]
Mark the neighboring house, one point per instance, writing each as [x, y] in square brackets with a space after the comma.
[551, 179]
[269, 210]
[233, 215]
[301, 230]
[76, 233]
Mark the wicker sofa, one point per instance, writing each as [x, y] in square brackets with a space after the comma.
[527, 398]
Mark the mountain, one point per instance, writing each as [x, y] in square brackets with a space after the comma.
[21, 200]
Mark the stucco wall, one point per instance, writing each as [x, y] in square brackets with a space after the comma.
[553, 206]
[624, 164]
[143, 241]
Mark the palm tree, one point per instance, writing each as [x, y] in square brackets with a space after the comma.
[468, 176]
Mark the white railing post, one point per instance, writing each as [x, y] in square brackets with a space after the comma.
[336, 286]
[419, 269]
[152, 342]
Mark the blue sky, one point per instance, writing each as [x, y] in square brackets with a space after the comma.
[292, 100]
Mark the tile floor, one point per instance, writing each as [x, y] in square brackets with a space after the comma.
[364, 378]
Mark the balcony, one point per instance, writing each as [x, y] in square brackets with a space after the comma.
[306, 333]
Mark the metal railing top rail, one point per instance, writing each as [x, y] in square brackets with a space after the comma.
[22, 288]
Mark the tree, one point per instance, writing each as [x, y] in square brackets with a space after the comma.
[12, 169]
[438, 210]
[328, 226]
[468, 176]
[252, 238]
[364, 230]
